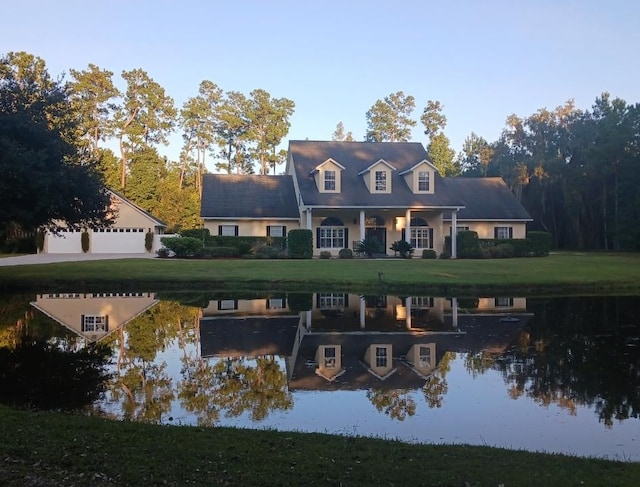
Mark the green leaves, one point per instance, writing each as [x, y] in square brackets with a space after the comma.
[389, 120]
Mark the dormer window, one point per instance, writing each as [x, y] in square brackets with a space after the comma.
[423, 181]
[329, 180]
[381, 181]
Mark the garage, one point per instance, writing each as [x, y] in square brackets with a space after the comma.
[66, 242]
[117, 241]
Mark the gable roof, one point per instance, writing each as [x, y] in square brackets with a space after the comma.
[126, 201]
[358, 156]
[486, 199]
[242, 196]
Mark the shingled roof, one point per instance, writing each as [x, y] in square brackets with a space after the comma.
[356, 157]
[486, 199]
[248, 196]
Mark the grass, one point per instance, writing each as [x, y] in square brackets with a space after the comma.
[42, 449]
[46, 449]
[563, 273]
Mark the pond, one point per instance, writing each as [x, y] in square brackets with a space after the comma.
[540, 374]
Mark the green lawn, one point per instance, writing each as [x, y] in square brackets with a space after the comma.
[560, 273]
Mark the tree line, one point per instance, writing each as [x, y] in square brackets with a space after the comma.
[575, 171]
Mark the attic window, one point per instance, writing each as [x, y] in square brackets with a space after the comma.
[423, 181]
[381, 180]
[329, 180]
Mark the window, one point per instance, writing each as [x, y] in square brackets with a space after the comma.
[381, 180]
[462, 229]
[503, 233]
[420, 238]
[422, 302]
[425, 356]
[93, 323]
[228, 230]
[381, 356]
[329, 180]
[330, 357]
[504, 302]
[423, 181]
[276, 230]
[326, 301]
[227, 304]
[275, 303]
[332, 238]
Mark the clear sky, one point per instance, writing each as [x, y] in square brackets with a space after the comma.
[482, 59]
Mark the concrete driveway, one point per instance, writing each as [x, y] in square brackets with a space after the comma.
[52, 258]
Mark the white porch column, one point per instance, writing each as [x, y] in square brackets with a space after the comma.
[308, 211]
[407, 303]
[362, 225]
[454, 234]
[407, 226]
[454, 312]
[308, 316]
[363, 311]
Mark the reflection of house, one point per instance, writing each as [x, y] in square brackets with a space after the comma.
[126, 235]
[94, 315]
[348, 191]
[347, 341]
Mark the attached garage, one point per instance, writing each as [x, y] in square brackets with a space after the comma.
[126, 236]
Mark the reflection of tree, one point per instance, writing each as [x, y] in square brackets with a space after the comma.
[436, 385]
[395, 403]
[582, 351]
[478, 363]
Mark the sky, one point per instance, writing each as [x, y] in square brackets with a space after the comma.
[481, 59]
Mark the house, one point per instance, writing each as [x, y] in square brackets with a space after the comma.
[126, 236]
[348, 191]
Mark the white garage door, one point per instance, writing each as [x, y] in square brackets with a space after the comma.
[116, 242]
[64, 243]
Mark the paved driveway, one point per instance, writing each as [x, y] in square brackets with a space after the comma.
[52, 258]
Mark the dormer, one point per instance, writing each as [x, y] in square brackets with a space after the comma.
[328, 176]
[421, 177]
[377, 177]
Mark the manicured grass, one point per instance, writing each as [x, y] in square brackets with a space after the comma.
[55, 449]
[560, 273]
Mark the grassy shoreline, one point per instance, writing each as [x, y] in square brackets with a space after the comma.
[561, 274]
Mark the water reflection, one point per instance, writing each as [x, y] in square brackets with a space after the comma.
[412, 367]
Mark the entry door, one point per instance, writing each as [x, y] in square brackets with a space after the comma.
[380, 234]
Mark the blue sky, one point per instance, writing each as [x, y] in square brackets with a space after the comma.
[483, 60]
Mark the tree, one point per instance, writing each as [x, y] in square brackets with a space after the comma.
[45, 181]
[441, 154]
[232, 127]
[146, 116]
[92, 99]
[433, 119]
[475, 156]
[340, 135]
[389, 120]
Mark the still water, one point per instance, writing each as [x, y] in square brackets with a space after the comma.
[540, 374]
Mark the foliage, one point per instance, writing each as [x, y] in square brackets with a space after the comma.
[345, 253]
[442, 156]
[44, 178]
[300, 244]
[340, 135]
[40, 240]
[468, 246]
[202, 234]
[84, 241]
[404, 248]
[148, 241]
[325, 254]
[389, 120]
[540, 243]
[221, 252]
[40, 375]
[182, 246]
[429, 254]
[369, 247]
[445, 254]
[244, 245]
[265, 252]
[300, 302]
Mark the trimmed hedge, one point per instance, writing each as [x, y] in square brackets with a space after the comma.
[245, 244]
[540, 243]
[345, 253]
[199, 233]
[429, 254]
[183, 246]
[300, 244]
[537, 244]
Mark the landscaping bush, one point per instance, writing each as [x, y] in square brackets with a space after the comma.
[300, 244]
[468, 245]
[429, 254]
[369, 247]
[265, 252]
[84, 241]
[345, 254]
[300, 302]
[183, 246]
[445, 254]
[506, 250]
[199, 233]
[325, 254]
[216, 252]
[164, 253]
[540, 243]
[404, 248]
[148, 241]
[40, 240]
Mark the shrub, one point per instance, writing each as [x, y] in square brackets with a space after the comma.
[40, 240]
[221, 252]
[468, 245]
[148, 241]
[199, 233]
[403, 247]
[429, 254]
[506, 250]
[163, 252]
[265, 252]
[325, 254]
[345, 254]
[369, 246]
[300, 302]
[84, 241]
[445, 254]
[300, 244]
[183, 246]
[540, 243]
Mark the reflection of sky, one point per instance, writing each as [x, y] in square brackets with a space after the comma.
[474, 411]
